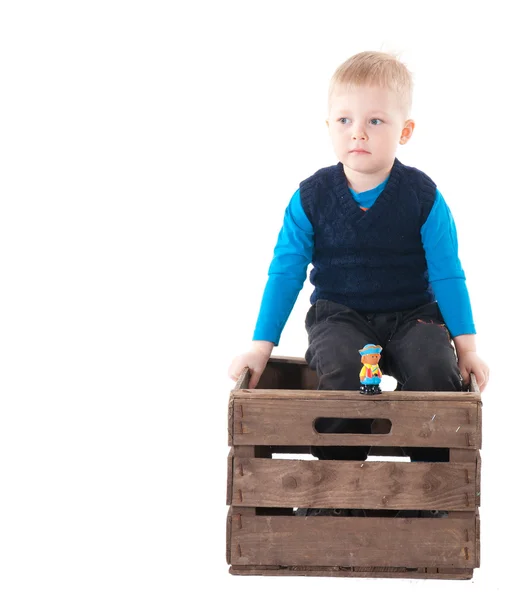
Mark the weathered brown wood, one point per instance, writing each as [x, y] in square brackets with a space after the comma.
[352, 484]
[479, 422]
[354, 542]
[478, 538]
[450, 571]
[284, 375]
[460, 455]
[291, 373]
[307, 378]
[244, 451]
[474, 384]
[263, 451]
[229, 484]
[243, 381]
[280, 418]
[230, 421]
[228, 536]
[290, 421]
[368, 572]
[241, 452]
[310, 395]
[478, 479]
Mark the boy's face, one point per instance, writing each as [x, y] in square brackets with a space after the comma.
[366, 124]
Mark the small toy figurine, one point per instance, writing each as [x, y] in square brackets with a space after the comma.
[370, 375]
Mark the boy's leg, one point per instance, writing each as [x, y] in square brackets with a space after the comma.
[420, 356]
[336, 333]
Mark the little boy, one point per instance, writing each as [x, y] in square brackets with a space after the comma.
[383, 246]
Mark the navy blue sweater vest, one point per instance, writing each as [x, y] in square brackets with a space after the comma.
[370, 261]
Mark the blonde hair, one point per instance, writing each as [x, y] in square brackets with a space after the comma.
[375, 68]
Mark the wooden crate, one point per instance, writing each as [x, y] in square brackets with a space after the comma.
[266, 537]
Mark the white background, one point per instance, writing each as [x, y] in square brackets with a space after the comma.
[148, 151]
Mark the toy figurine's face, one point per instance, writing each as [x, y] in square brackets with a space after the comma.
[370, 359]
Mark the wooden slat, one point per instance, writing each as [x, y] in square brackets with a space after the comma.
[289, 421]
[288, 373]
[367, 572]
[230, 422]
[474, 384]
[310, 395]
[228, 535]
[241, 452]
[479, 422]
[354, 542]
[352, 484]
[478, 538]
[229, 483]
[473, 457]
[460, 455]
[478, 479]
[243, 381]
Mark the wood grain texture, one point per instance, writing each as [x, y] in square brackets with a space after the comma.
[473, 458]
[355, 541]
[288, 373]
[230, 422]
[260, 420]
[228, 535]
[478, 538]
[369, 572]
[229, 483]
[297, 394]
[352, 484]
[244, 380]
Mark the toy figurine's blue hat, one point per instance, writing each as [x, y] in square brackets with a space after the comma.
[370, 349]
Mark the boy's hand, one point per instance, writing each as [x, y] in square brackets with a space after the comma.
[256, 359]
[470, 362]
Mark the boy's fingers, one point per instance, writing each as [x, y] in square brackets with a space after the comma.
[465, 374]
[483, 380]
[254, 379]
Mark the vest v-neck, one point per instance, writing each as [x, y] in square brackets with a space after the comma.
[367, 198]
[352, 208]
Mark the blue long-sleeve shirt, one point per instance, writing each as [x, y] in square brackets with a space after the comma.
[293, 254]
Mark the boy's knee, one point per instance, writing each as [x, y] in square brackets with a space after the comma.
[426, 378]
[340, 377]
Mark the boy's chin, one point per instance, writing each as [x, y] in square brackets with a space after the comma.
[367, 163]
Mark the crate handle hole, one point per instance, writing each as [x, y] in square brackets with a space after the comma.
[363, 426]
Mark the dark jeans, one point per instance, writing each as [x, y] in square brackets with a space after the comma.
[416, 351]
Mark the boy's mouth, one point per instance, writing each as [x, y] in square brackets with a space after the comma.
[359, 151]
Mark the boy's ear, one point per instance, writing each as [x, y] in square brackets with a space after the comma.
[407, 131]
[327, 122]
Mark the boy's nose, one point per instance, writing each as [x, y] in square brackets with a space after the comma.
[359, 134]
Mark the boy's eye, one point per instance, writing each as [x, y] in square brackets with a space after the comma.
[344, 120]
[375, 121]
